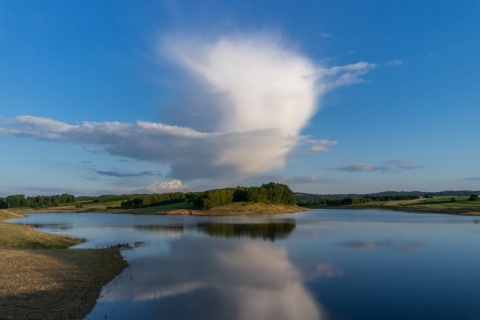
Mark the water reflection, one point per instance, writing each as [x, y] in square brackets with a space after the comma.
[53, 226]
[286, 266]
[172, 231]
[265, 231]
[211, 279]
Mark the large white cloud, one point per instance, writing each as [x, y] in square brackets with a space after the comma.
[262, 94]
[264, 83]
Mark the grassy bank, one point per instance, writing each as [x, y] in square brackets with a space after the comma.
[42, 280]
[182, 208]
[459, 205]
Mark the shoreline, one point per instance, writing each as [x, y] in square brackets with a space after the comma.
[458, 211]
[42, 279]
[228, 210]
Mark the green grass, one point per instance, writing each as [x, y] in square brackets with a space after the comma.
[461, 205]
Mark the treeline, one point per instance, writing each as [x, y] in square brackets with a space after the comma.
[155, 199]
[20, 201]
[270, 193]
[351, 201]
[106, 198]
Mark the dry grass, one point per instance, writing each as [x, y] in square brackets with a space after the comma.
[14, 236]
[49, 284]
[54, 284]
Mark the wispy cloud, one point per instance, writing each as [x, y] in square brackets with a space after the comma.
[345, 75]
[473, 179]
[262, 94]
[361, 167]
[127, 174]
[385, 167]
[405, 164]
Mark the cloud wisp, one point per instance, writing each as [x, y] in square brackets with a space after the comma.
[120, 174]
[261, 91]
[387, 166]
[361, 167]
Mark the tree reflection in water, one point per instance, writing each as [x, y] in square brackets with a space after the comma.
[266, 231]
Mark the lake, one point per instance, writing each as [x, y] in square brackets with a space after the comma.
[320, 264]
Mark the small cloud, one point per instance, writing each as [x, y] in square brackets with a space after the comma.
[310, 146]
[361, 167]
[126, 174]
[473, 179]
[346, 75]
[405, 164]
[162, 187]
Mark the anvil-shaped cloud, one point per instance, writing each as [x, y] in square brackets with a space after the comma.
[263, 93]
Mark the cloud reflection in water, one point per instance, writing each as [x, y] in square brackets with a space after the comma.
[216, 278]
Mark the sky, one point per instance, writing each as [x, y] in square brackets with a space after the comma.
[112, 97]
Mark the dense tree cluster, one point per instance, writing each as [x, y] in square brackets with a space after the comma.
[155, 199]
[274, 193]
[107, 198]
[473, 197]
[20, 201]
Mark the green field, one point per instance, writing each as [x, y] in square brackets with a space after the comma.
[460, 205]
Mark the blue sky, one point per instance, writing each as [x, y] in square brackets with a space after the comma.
[100, 97]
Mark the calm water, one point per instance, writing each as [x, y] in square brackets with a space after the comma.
[322, 264]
